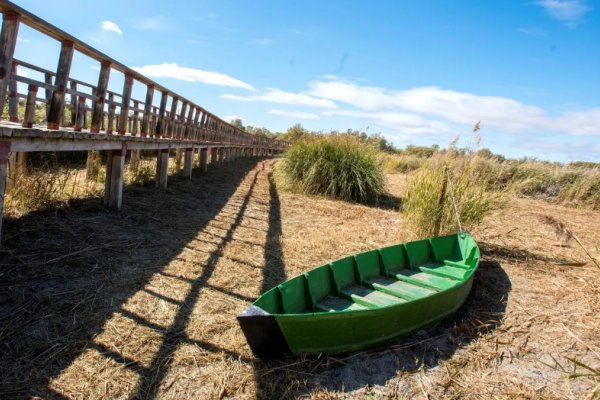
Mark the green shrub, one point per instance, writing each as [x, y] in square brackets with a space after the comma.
[337, 166]
[420, 204]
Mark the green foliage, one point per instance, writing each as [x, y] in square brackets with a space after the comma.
[337, 166]
[473, 196]
[421, 151]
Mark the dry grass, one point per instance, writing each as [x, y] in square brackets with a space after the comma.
[95, 304]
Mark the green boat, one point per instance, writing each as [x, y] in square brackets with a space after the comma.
[363, 300]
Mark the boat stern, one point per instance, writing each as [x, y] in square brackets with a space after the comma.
[263, 334]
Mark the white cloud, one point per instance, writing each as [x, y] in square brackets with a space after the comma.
[20, 39]
[294, 114]
[174, 71]
[281, 97]
[570, 12]
[399, 121]
[156, 23]
[111, 27]
[502, 113]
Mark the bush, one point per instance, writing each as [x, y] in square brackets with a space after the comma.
[337, 166]
[470, 189]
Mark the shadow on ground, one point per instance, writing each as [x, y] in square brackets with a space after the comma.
[65, 271]
[482, 312]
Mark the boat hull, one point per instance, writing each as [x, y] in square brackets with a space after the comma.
[427, 288]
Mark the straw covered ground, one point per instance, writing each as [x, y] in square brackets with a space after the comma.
[142, 303]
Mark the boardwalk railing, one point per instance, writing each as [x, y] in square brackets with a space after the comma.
[100, 119]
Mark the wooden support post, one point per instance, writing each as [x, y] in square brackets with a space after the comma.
[162, 168]
[29, 118]
[203, 159]
[4, 156]
[125, 100]
[61, 80]
[160, 122]
[115, 172]
[222, 155]
[100, 97]
[8, 41]
[188, 163]
[145, 128]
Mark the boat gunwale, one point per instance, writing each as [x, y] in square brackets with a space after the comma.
[461, 282]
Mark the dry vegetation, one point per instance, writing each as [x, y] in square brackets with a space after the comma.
[142, 303]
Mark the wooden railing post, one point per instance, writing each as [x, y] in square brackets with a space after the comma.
[74, 109]
[110, 121]
[13, 98]
[180, 128]
[8, 42]
[61, 80]
[161, 114]
[29, 118]
[48, 91]
[100, 97]
[125, 100]
[195, 129]
[80, 114]
[145, 128]
[172, 118]
[189, 127]
[135, 118]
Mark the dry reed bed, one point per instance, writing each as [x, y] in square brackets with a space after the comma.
[142, 303]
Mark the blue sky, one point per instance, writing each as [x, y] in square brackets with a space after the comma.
[420, 72]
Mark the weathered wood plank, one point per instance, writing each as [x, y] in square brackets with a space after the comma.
[60, 82]
[29, 118]
[100, 96]
[146, 118]
[8, 41]
[125, 99]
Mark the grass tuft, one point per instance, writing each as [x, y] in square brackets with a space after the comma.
[337, 166]
[469, 186]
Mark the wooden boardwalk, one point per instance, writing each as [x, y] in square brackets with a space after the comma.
[103, 120]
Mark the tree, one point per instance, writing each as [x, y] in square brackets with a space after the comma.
[237, 122]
